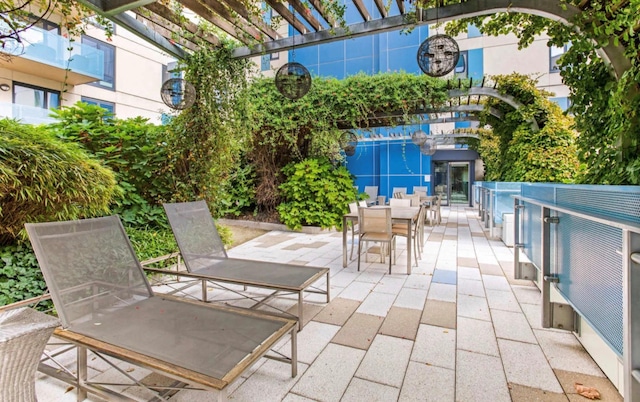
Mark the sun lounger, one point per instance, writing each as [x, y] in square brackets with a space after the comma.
[106, 305]
[206, 260]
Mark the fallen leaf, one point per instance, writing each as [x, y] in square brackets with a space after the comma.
[69, 389]
[130, 369]
[587, 392]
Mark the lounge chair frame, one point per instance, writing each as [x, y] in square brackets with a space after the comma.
[106, 305]
[208, 263]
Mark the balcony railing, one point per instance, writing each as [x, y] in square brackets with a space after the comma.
[49, 48]
[583, 243]
[26, 114]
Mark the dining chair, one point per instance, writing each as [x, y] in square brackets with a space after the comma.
[417, 233]
[414, 199]
[419, 189]
[372, 192]
[363, 203]
[433, 213]
[353, 209]
[399, 202]
[402, 190]
[375, 226]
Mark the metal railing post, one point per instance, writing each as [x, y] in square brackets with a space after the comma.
[517, 242]
[545, 287]
[631, 314]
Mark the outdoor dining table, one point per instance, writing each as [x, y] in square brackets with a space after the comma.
[406, 215]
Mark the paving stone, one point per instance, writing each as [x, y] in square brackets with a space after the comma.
[468, 272]
[357, 290]
[495, 282]
[520, 393]
[363, 390]
[491, 269]
[480, 377]
[513, 326]
[376, 304]
[476, 336]
[435, 346]
[271, 382]
[443, 292]
[608, 391]
[386, 361]
[533, 371]
[527, 294]
[439, 313]
[444, 276]
[358, 331]
[411, 298]
[470, 287]
[565, 352]
[401, 323]
[428, 383]
[314, 336]
[337, 312]
[473, 307]
[337, 363]
[309, 311]
[502, 300]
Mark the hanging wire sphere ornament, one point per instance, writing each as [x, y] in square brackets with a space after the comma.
[178, 93]
[349, 147]
[438, 55]
[419, 137]
[428, 147]
[293, 80]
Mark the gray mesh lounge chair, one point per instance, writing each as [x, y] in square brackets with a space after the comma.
[106, 305]
[206, 259]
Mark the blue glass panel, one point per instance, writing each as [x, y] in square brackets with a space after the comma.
[362, 65]
[359, 47]
[404, 60]
[306, 55]
[592, 280]
[265, 62]
[473, 31]
[462, 124]
[332, 51]
[476, 64]
[335, 69]
[398, 40]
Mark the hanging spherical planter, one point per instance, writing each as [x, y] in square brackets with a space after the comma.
[293, 80]
[429, 147]
[418, 137]
[351, 140]
[438, 55]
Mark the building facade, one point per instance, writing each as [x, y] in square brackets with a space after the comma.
[386, 157]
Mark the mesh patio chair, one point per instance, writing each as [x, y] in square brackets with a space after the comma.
[106, 305]
[433, 213]
[402, 190]
[375, 226]
[207, 261]
[400, 202]
[372, 192]
[417, 233]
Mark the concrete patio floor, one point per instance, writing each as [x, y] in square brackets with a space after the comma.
[459, 328]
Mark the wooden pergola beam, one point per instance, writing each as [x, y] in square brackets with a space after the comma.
[207, 14]
[171, 17]
[306, 14]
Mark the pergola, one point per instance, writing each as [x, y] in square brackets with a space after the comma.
[157, 22]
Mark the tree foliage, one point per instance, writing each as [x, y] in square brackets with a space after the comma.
[206, 139]
[285, 131]
[606, 107]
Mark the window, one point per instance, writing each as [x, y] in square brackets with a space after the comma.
[110, 106]
[29, 95]
[275, 56]
[265, 62]
[461, 70]
[109, 62]
[554, 54]
[170, 70]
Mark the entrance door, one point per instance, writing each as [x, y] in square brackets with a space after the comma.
[441, 181]
[459, 182]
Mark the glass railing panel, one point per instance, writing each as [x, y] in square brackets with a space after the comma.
[26, 114]
[57, 51]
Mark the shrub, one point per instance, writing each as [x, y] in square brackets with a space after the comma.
[315, 193]
[134, 149]
[45, 179]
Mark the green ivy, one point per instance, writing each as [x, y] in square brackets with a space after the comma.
[20, 276]
[316, 193]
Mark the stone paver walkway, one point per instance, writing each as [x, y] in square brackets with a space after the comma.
[459, 328]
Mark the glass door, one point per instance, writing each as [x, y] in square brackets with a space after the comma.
[459, 182]
[441, 181]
